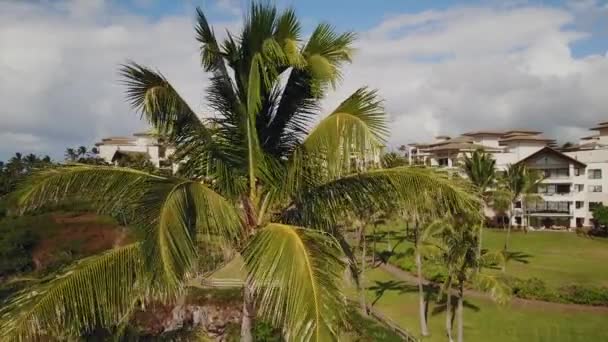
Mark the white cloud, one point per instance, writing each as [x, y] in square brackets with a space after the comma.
[59, 77]
[439, 71]
[446, 72]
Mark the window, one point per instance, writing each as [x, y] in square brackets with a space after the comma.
[579, 187]
[580, 204]
[595, 188]
[518, 204]
[577, 171]
[595, 174]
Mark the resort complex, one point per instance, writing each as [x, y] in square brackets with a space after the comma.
[575, 176]
[146, 144]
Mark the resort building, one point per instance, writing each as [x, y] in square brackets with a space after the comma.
[576, 177]
[147, 144]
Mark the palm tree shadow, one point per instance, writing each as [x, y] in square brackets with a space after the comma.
[381, 287]
[395, 237]
[442, 306]
[520, 257]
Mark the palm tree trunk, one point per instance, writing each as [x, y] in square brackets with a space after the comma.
[479, 248]
[459, 312]
[374, 246]
[248, 319]
[362, 277]
[424, 330]
[448, 311]
[421, 302]
[509, 228]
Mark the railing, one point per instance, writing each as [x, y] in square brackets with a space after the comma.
[406, 335]
[222, 283]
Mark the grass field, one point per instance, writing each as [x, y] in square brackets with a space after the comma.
[558, 258]
[484, 320]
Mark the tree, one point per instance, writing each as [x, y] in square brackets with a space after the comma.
[81, 152]
[521, 183]
[480, 168]
[70, 155]
[254, 178]
[600, 217]
[457, 243]
[393, 159]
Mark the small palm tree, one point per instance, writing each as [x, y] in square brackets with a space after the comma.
[458, 246]
[480, 168]
[256, 178]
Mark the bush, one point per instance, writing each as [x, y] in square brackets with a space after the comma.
[584, 295]
[17, 238]
[535, 288]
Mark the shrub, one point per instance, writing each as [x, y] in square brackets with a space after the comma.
[532, 288]
[17, 238]
[584, 295]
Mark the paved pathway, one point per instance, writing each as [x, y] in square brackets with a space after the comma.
[515, 302]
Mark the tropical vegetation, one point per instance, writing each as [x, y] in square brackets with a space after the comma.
[256, 179]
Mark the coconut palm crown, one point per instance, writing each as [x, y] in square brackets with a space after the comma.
[256, 176]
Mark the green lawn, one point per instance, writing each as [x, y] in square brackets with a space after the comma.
[558, 258]
[484, 320]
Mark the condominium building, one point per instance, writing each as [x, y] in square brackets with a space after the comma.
[576, 177]
[147, 144]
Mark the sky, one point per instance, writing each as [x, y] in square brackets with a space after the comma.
[442, 67]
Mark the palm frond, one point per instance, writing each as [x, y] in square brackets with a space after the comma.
[297, 274]
[356, 128]
[151, 94]
[109, 188]
[420, 191]
[96, 291]
[179, 219]
[495, 285]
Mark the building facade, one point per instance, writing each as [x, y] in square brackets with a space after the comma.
[148, 144]
[575, 177]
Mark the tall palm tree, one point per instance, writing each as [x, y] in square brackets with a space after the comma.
[255, 178]
[480, 168]
[520, 182]
[70, 154]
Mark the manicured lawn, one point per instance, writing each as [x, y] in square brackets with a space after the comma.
[558, 258]
[484, 320]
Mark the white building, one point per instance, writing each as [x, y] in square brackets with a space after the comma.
[576, 178]
[147, 143]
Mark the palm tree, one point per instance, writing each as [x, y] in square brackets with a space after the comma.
[70, 154]
[458, 247]
[81, 151]
[480, 167]
[520, 182]
[255, 178]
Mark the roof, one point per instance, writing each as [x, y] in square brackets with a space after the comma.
[519, 137]
[590, 137]
[442, 137]
[552, 151]
[461, 146]
[586, 146]
[460, 139]
[119, 154]
[601, 125]
[521, 131]
[484, 133]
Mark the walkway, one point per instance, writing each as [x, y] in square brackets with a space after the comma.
[515, 302]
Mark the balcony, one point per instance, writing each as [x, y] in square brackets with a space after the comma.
[557, 174]
[550, 207]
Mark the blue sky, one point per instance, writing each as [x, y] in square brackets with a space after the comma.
[361, 15]
[443, 67]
